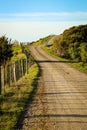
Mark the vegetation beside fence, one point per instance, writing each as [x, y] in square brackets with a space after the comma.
[16, 97]
[11, 73]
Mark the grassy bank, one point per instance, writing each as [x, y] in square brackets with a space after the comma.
[78, 65]
[13, 102]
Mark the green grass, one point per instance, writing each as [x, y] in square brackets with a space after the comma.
[78, 65]
[16, 49]
[15, 98]
[18, 57]
[17, 53]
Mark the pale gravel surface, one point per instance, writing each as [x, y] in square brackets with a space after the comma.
[61, 99]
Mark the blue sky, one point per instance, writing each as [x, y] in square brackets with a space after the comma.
[21, 6]
[50, 14]
[43, 10]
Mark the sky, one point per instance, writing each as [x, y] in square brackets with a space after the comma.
[29, 20]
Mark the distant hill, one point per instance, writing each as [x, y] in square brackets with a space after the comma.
[72, 43]
[44, 40]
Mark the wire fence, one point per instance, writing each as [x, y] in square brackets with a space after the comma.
[11, 73]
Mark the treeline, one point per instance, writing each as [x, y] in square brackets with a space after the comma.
[72, 44]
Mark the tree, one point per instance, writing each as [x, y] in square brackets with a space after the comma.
[5, 49]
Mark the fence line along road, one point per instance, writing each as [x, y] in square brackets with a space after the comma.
[11, 73]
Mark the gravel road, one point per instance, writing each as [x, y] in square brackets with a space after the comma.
[61, 99]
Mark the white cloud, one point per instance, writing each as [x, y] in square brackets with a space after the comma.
[41, 16]
[44, 14]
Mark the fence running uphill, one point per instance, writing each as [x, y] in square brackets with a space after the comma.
[11, 73]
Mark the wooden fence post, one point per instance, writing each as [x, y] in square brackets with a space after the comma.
[21, 68]
[14, 73]
[0, 82]
[26, 66]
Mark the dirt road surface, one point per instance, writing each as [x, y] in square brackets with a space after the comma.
[61, 99]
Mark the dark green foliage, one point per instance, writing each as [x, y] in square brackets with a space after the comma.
[5, 49]
[72, 43]
[83, 52]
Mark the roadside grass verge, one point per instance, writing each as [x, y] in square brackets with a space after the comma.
[78, 65]
[12, 104]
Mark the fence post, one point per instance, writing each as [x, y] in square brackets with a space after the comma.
[26, 69]
[0, 82]
[21, 65]
[14, 72]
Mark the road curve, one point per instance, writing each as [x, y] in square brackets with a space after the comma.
[61, 99]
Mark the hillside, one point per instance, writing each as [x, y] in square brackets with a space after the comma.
[72, 43]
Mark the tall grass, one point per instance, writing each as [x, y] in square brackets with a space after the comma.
[78, 65]
[13, 102]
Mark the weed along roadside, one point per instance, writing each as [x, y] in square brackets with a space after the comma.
[16, 98]
[34, 74]
[78, 65]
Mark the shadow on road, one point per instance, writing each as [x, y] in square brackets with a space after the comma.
[55, 61]
[19, 124]
[59, 115]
